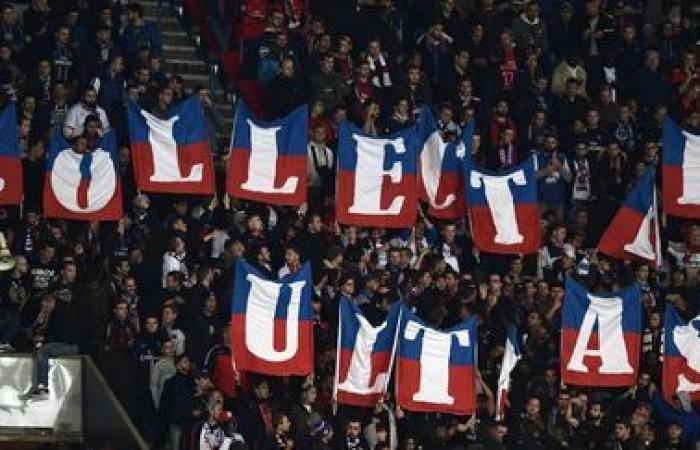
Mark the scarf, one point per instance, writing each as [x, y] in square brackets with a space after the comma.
[380, 75]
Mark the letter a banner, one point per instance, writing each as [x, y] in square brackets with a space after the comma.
[377, 179]
[172, 154]
[503, 208]
[681, 171]
[435, 369]
[365, 355]
[268, 159]
[271, 326]
[83, 184]
[600, 336]
[681, 370]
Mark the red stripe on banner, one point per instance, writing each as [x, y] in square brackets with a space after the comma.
[82, 193]
[188, 156]
[484, 230]
[112, 211]
[450, 183]
[345, 187]
[299, 364]
[593, 377]
[672, 178]
[10, 181]
[673, 367]
[621, 231]
[287, 166]
[461, 389]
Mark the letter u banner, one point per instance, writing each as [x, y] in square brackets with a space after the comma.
[435, 369]
[271, 326]
[600, 336]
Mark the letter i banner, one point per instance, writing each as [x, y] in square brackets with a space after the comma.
[377, 178]
[82, 183]
[171, 154]
[681, 171]
[436, 369]
[503, 208]
[271, 323]
[365, 355]
[601, 336]
[268, 159]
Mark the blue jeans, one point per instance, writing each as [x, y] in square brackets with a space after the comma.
[51, 350]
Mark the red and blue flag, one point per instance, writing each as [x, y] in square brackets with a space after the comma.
[503, 208]
[436, 369]
[171, 154]
[634, 231]
[681, 367]
[271, 324]
[441, 179]
[681, 171]
[82, 183]
[365, 355]
[600, 336]
[511, 356]
[10, 163]
[377, 178]
[268, 159]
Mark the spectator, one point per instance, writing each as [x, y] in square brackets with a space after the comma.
[75, 119]
[139, 33]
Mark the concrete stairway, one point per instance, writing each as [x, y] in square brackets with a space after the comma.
[181, 57]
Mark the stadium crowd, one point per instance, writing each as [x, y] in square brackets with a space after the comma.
[584, 85]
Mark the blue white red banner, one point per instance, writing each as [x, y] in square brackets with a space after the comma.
[10, 163]
[681, 171]
[681, 367]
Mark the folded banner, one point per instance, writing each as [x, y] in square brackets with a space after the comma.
[268, 159]
[10, 163]
[83, 183]
[365, 355]
[634, 231]
[435, 369]
[376, 183]
[440, 169]
[511, 356]
[271, 326]
[171, 154]
[681, 368]
[600, 336]
[681, 171]
[503, 208]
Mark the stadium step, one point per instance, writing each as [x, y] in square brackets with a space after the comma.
[175, 38]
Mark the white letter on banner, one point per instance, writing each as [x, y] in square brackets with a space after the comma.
[500, 202]
[65, 180]
[687, 342]
[435, 362]
[611, 341]
[691, 170]
[360, 369]
[262, 163]
[2, 184]
[431, 168]
[166, 166]
[260, 319]
[369, 175]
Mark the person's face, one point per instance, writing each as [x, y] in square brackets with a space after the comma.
[498, 433]
[374, 48]
[29, 104]
[593, 118]
[550, 377]
[48, 304]
[121, 311]
[465, 87]
[446, 115]
[285, 424]
[327, 64]
[557, 292]
[674, 432]
[652, 60]
[354, 429]
[287, 68]
[168, 347]
[166, 97]
[402, 107]
[69, 273]
[184, 366]
[169, 316]
[622, 432]
[563, 401]
[348, 287]
[291, 257]
[118, 65]
[316, 223]
[63, 35]
[21, 264]
[413, 76]
[8, 15]
[532, 11]
[495, 283]
[532, 408]
[462, 59]
[48, 253]
[262, 391]
[344, 46]
[310, 395]
[90, 98]
[505, 39]
[152, 326]
[550, 144]
[450, 231]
